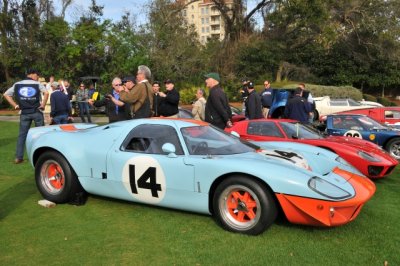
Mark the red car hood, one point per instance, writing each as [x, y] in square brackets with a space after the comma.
[355, 142]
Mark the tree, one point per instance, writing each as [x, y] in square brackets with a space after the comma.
[173, 46]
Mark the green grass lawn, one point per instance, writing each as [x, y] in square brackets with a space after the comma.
[111, 232]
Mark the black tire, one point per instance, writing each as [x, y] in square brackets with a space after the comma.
[393, 148]
[242, 192]
[55, 179]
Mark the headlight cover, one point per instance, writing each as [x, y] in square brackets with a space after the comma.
[342, 161]
[327, 189]
[367, 156]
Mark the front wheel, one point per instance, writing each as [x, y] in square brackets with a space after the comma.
[55, 179]
[244, 205]
[393, 147]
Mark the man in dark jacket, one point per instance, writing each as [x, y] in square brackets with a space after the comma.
[217, 106]
[28, 99]
[253, 103]
[116, 110]
[156, 98]
[266, 98]
[169, 101]
[60, 105]
[297, 107]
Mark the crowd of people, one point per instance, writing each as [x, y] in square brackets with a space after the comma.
[134, 97]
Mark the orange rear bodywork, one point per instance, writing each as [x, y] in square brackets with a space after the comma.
[301, 210]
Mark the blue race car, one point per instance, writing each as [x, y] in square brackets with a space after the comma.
[190, 165]
[364, 127]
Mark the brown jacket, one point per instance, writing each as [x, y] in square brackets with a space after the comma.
[137, 96]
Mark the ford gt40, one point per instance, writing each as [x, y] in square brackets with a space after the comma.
[190, 165]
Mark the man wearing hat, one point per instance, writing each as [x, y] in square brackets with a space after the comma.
[169, 101]
[141, 96]
[28, 99]
[217, 111]
[253, 103]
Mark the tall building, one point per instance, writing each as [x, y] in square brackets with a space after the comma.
[206, 19]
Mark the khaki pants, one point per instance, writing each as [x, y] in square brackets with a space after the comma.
[265, 111]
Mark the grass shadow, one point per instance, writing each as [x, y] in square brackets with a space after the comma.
[4, 142]
[14, 196]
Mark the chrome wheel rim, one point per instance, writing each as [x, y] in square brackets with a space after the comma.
[52, 177]
[240, 207]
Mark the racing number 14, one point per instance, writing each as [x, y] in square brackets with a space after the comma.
[148, 180]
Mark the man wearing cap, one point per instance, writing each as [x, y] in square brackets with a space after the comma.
[217, 110]
[253, 103]
[141, 96]
[60, 105]
[168, 106]
[28, 99]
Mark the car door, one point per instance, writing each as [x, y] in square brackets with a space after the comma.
[143, 172]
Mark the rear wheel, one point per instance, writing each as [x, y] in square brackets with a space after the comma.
[393, 147]
[55, 179]
[244, 205]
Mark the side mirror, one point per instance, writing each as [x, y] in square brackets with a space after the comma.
[169, 148]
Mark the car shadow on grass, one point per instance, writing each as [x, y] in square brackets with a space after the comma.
[14, 196]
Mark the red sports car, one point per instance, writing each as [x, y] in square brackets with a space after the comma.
[367, 157]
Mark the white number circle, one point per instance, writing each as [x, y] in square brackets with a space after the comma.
[353, 133]
[144, 178]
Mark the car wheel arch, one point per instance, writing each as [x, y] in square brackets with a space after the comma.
[40, 151]
[389, 142]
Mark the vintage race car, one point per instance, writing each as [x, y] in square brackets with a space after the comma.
[190, 165]
[384, 115]
[367, 157]
[364, 127]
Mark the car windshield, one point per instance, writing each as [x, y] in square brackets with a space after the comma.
[356, 123]
[299, 131]
[207, 140]
[369, 124]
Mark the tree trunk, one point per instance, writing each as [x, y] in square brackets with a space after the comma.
[279, 72]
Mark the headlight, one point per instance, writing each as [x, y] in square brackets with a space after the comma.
[327, 189]
[342, 161]
[368, 157]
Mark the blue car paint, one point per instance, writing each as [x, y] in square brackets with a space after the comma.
[377, 136]
[185, 180]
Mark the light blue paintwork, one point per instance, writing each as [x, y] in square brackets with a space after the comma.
[94, 152]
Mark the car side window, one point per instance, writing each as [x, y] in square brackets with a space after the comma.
[150, 138]
[392, 114]
[264, 129]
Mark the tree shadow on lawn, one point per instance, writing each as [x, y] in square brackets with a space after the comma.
[13, 197]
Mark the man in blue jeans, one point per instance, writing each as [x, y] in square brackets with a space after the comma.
[27, 94]
[60, 105]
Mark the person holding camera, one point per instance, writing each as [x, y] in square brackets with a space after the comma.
[169, 101]
[116, 110]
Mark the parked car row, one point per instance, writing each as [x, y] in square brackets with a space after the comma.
[193, 166]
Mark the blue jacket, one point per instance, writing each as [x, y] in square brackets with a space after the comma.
[297, 108]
